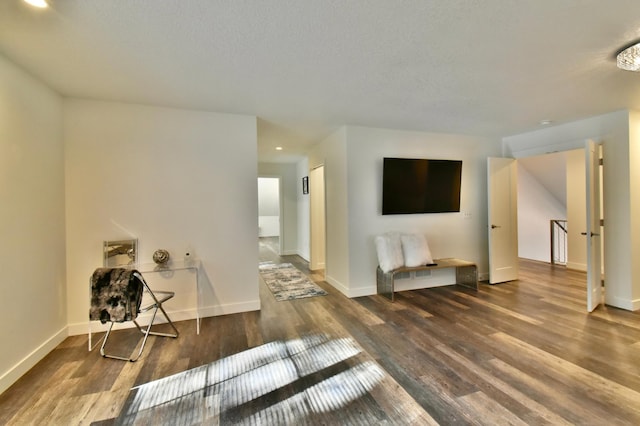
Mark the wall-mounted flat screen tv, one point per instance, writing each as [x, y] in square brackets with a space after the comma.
[420, 186]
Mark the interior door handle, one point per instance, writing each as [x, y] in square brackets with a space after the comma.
[495, 226]
[593, 234]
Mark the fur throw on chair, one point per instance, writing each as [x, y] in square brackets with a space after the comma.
[116, 294]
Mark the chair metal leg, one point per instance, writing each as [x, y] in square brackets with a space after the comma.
[157, 299]
[104, 343]
[146, 331]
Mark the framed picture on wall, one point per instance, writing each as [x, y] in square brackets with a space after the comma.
[305, 185]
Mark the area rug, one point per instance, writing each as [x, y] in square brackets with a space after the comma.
[288, 283]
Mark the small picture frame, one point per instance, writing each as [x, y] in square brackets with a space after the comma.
[305, 185]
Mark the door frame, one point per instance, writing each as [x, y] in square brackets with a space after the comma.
[317, 229]
[567, 146]
[593, 233]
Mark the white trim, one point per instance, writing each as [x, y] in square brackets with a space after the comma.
[234, 308]
[183, 315]
[351, 292]
[299, 253]
[362, 291]
[81, 328]
[577, 266]
[337, 285]
[14, 373]
[629, 305]
[548, 149]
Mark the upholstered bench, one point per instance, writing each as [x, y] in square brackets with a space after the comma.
[466, 275]
[401, 253]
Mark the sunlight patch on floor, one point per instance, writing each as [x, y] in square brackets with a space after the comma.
[279, 381]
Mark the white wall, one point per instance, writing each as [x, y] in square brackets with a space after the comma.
[576, 210]
[618, 131]
[353, 174]
[536, 208]
[304, 229]
[289, 215]
[332, 153]
[269, 207]
[448, 234]
[174, 179]
[33, 286]
[634, 207]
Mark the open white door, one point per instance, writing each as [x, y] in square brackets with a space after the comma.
[503, 219]
[594, 242]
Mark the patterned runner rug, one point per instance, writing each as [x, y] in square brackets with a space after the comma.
[288, 283]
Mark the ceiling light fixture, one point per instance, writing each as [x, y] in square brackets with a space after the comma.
[278, 148]
[38, 3]
[545, 122]
[629, 58]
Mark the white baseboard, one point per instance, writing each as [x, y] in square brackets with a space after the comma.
[577, 266]
[350, 292]
[183, 315]
[626, 304]
[304, 256]
[14, 373]
[410, 285]
[337, 285]
[234, 308]
[362, 291]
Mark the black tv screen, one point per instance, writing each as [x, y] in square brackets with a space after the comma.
[420, 186]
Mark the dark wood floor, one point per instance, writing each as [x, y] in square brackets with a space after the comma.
[523, 352]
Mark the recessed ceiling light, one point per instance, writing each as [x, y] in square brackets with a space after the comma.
[278, 148]
[545, 122]
[38, 3]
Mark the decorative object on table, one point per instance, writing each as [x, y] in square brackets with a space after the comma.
[305, 185]
[288, 283]
[161, 257]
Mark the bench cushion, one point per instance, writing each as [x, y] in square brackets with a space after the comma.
[415, 250]
[389, 249]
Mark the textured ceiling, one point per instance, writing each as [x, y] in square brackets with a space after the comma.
[305, 67]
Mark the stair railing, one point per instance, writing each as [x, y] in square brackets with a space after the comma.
[558, 242]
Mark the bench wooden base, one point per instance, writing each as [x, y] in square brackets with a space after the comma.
[466, 275]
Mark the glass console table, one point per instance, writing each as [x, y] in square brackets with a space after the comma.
[174, 266]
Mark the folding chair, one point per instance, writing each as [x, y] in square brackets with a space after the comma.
[116, 296]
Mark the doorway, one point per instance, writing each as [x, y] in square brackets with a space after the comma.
[269, 208]
[553, 186]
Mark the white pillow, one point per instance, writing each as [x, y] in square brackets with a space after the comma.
[416, 250]
[389, 248]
